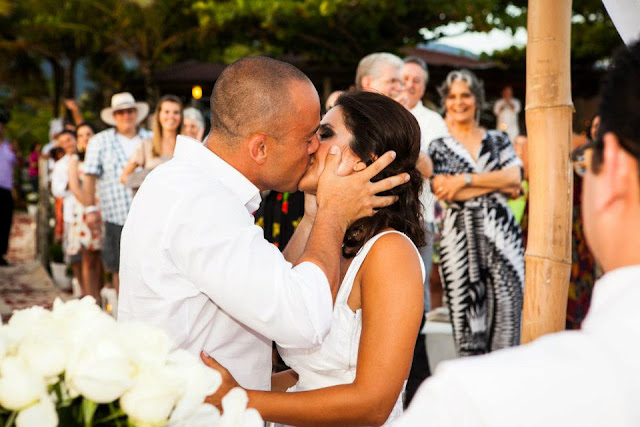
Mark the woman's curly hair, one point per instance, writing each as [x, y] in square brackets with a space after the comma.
[379, 124]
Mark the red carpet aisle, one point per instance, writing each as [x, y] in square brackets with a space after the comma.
[26, 282]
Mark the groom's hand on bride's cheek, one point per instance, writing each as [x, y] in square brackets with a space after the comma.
[352, 197]
[228, 382]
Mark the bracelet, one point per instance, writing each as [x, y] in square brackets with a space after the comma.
[90, 209]
[467, 179]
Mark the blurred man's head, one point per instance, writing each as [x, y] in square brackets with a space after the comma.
[610, 165]
[380, 72]
[507, 92]
[264, 117]
[415, 76]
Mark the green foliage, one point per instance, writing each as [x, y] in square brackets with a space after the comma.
[29, 123]
[593, 37]
[110, 35]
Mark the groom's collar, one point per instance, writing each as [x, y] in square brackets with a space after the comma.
[200, 156]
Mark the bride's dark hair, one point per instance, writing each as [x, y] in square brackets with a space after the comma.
[379, 124]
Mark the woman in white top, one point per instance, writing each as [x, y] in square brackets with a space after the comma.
[167, 124]
[357, 376]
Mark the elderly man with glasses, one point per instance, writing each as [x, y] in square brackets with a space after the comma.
[587, 377]
[107, 154]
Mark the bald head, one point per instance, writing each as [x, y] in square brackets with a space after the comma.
[253, 95]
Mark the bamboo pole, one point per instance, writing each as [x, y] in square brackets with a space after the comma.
[549, 112]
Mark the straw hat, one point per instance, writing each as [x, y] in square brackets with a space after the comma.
[124, 101]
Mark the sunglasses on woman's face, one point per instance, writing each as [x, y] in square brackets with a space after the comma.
[581, 157]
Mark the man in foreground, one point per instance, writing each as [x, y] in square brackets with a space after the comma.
[588, 377]
[194, 263]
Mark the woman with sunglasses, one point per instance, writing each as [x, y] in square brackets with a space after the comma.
[482, 257]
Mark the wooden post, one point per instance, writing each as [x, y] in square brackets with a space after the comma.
[549, 111]
[44, 213]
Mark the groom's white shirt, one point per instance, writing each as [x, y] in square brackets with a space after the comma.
[193, 263]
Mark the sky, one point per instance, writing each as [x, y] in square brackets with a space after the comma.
[476, 42]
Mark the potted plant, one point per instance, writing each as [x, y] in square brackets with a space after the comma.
[58, 267]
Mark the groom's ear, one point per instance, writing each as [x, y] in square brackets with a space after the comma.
[257, 144]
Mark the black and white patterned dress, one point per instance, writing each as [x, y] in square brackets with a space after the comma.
[482, 257]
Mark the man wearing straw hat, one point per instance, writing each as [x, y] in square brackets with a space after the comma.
[107, 154]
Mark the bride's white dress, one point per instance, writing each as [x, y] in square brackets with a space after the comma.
[334, 362]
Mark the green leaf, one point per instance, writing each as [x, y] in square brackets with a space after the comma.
[88, 409]
[11, 419]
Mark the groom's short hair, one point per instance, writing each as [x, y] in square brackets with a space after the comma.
[252, 95]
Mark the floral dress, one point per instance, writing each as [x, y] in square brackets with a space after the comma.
[80, 235]
[481, 251]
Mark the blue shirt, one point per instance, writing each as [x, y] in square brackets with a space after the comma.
[7, 161]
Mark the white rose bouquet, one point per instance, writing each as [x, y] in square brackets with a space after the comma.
[75, 366]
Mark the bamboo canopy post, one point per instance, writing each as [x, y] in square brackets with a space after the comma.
[549, 110]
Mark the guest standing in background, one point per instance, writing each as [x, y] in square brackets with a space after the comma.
[193, 123]
[583, 264]
[152, 152]
[34, 157]
[482, 257]
[8, 160]
[506, 110]
[107, 155]
[83, 239]
[60, 190]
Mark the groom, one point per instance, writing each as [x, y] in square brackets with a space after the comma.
[192, 260]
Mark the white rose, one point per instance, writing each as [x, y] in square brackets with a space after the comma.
[19, 387]
[204, 415]
[4, 343]
[42, 414]
[151, 399]
[100, 370]
[235, 412]
[45, 350]
[23, 321]
[147, 346]
[80, 320]
[198, 381]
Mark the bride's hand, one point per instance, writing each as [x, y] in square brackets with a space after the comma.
[228, 382]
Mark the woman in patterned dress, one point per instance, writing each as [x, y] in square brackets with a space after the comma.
[83, 239]
[482, 257]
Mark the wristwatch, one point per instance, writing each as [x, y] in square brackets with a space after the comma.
[467, 179]
[90, 209]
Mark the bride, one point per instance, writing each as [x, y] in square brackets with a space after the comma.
[357, 376]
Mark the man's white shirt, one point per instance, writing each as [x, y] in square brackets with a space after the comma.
[193, 263]
[589, 377]
[432, 126]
